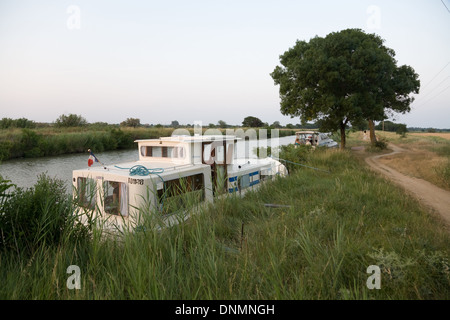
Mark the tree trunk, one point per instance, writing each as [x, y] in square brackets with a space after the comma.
[373, 138]
[342, 136]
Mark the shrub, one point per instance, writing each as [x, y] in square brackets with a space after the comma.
[30, 144]
[71, 120]
[131, 122]
[380, 144]
[41, 215]
[4, 195]
[123, 140]
[7, 123]
[401, 130]
[5, 147]
[292, 154]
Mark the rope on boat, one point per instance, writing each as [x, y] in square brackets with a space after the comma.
[139, 170]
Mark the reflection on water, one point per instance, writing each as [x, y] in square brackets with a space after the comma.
[25, 172]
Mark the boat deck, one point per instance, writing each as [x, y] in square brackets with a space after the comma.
[123, 169]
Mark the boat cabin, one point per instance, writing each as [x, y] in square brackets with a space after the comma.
[171, 175]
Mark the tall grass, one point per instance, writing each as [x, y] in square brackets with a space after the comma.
[42, 142]
[318, 245]
[37, 217]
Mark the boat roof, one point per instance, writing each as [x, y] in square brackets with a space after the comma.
[123, 169]
[190, 139]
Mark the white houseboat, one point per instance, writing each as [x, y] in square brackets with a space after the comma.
[315, 139]
[172, 173]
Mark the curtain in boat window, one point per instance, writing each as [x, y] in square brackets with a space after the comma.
[123, 200]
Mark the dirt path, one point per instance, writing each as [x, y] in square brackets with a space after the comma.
[430, 195]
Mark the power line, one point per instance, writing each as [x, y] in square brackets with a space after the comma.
[445, 5]
[436, 75]
[434, 97]
[429, 92]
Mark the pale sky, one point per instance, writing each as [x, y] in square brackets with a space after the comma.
[189, 61]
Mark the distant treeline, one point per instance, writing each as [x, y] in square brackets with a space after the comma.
[417, 129]
[73, 120]
[7, 123]
[395, 127]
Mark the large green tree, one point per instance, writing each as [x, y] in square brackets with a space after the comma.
[71, 120]
[345, 77]
[131, 122]
[252, 122]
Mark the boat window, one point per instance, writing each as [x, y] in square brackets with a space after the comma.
[163, 152]
[220, 154]
[169, 152]
[115, 198]
[87, 192]
[181, 194]
[244, 181]
[157, 152]
[206, 156]
[249, 180]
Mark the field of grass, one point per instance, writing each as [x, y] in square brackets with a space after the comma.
[334, 227]
[427, 156]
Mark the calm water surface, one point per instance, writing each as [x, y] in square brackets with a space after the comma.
[25, 172]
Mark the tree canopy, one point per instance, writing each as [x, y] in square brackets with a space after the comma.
[6, 123]
[252, 122]
[71, 120]
[346, 77]
[222, 124]
[131, 122]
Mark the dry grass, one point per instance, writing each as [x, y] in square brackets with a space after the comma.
[445, 135]
[426, 156]
[419, 163]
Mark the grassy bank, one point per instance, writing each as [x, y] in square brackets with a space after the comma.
[32, 143]
[336, 226]
[43, 142]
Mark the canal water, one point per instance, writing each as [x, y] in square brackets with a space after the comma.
[24, 173]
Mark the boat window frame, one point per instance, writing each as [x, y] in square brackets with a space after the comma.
[167, 191]
[91, 204]
[176, 152]
[120, 206]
